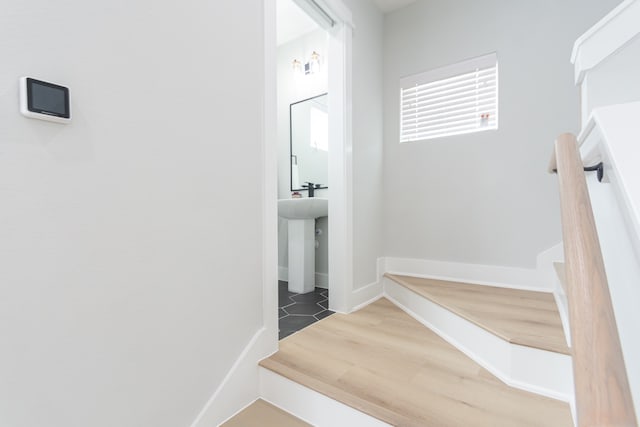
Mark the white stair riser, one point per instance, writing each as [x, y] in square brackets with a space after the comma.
[309, 405]
[538, 371]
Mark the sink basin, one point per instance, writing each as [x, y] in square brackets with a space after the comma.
[306, 208]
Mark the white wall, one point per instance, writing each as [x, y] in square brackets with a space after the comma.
[130, 239]
[483, 198]
[615, 80]
[292, 88]
[367, 140]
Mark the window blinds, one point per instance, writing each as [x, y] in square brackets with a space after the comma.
[456, 99]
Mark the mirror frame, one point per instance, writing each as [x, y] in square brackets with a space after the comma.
[291, 155]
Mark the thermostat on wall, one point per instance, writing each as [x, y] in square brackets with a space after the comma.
[44, 100]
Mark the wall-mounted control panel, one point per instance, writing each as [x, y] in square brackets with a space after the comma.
[45, 101]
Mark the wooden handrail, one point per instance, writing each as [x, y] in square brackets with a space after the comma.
[603, 397]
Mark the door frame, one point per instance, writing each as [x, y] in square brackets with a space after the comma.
[340, 221]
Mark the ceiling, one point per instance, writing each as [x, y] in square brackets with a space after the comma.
[391, 5]
[293, 22]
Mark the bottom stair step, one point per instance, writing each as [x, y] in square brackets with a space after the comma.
[384, 363]
[264, 414]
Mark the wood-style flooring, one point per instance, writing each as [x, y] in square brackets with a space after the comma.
[520, 317]
[382, 362]
[264, 414]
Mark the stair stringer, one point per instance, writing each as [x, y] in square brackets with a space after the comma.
[538, 371]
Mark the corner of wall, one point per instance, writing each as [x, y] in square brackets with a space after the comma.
[240, 386]
[492, 275]
[545, 260]
[547, 273]
[365, 295]
[542, 278]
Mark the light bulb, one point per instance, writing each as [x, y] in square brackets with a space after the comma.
[297, 66]
[314, 62]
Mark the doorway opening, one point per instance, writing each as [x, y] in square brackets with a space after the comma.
[312, 61]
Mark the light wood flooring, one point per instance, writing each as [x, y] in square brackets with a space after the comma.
[382, 362]
[264, 414]
[520, 317]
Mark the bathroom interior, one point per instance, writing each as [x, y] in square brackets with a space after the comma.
[303, 193]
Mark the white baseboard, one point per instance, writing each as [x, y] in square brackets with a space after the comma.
[538, 371]
[283, 274]
[545, 260]
[548, 273]
[381, 268]
[239, 388]
[322, 279]
[309, 405]
[365, 295]
[493, 275]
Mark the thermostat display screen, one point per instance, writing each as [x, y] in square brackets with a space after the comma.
[47, 98]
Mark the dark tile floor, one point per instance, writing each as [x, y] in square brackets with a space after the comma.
[297, 311]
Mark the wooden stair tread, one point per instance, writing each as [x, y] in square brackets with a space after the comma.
[527, 318]
[383, 362]
[264, 414]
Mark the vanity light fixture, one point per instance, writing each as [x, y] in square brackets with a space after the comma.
[310, 67]
[313, 66]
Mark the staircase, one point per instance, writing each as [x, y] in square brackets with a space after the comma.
[437, 353]
[441, 353]
[383, 363]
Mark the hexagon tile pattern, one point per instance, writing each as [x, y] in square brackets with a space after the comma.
[297, 311]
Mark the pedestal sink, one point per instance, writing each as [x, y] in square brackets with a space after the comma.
[301, 215]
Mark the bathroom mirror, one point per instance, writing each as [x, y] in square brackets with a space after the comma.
[309, 130]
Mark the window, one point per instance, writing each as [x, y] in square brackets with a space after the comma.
[452, 100]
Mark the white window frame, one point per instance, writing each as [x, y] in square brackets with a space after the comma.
[456, 99]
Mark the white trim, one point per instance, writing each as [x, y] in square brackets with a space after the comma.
[365, 295]
[545, 260]
[309, 405]
[448, 71]
[548, 274]
[239, 387]
[270, 182]
[609, 126]
[322, 280]
[340, 168]
[622, 268]
[492, 275]
[319, 14]
[283, 273]
[616, 209]
[381, 267]
[538, 371]
[562, 303]
[372, 292]
[338, 11]
[607, 36]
